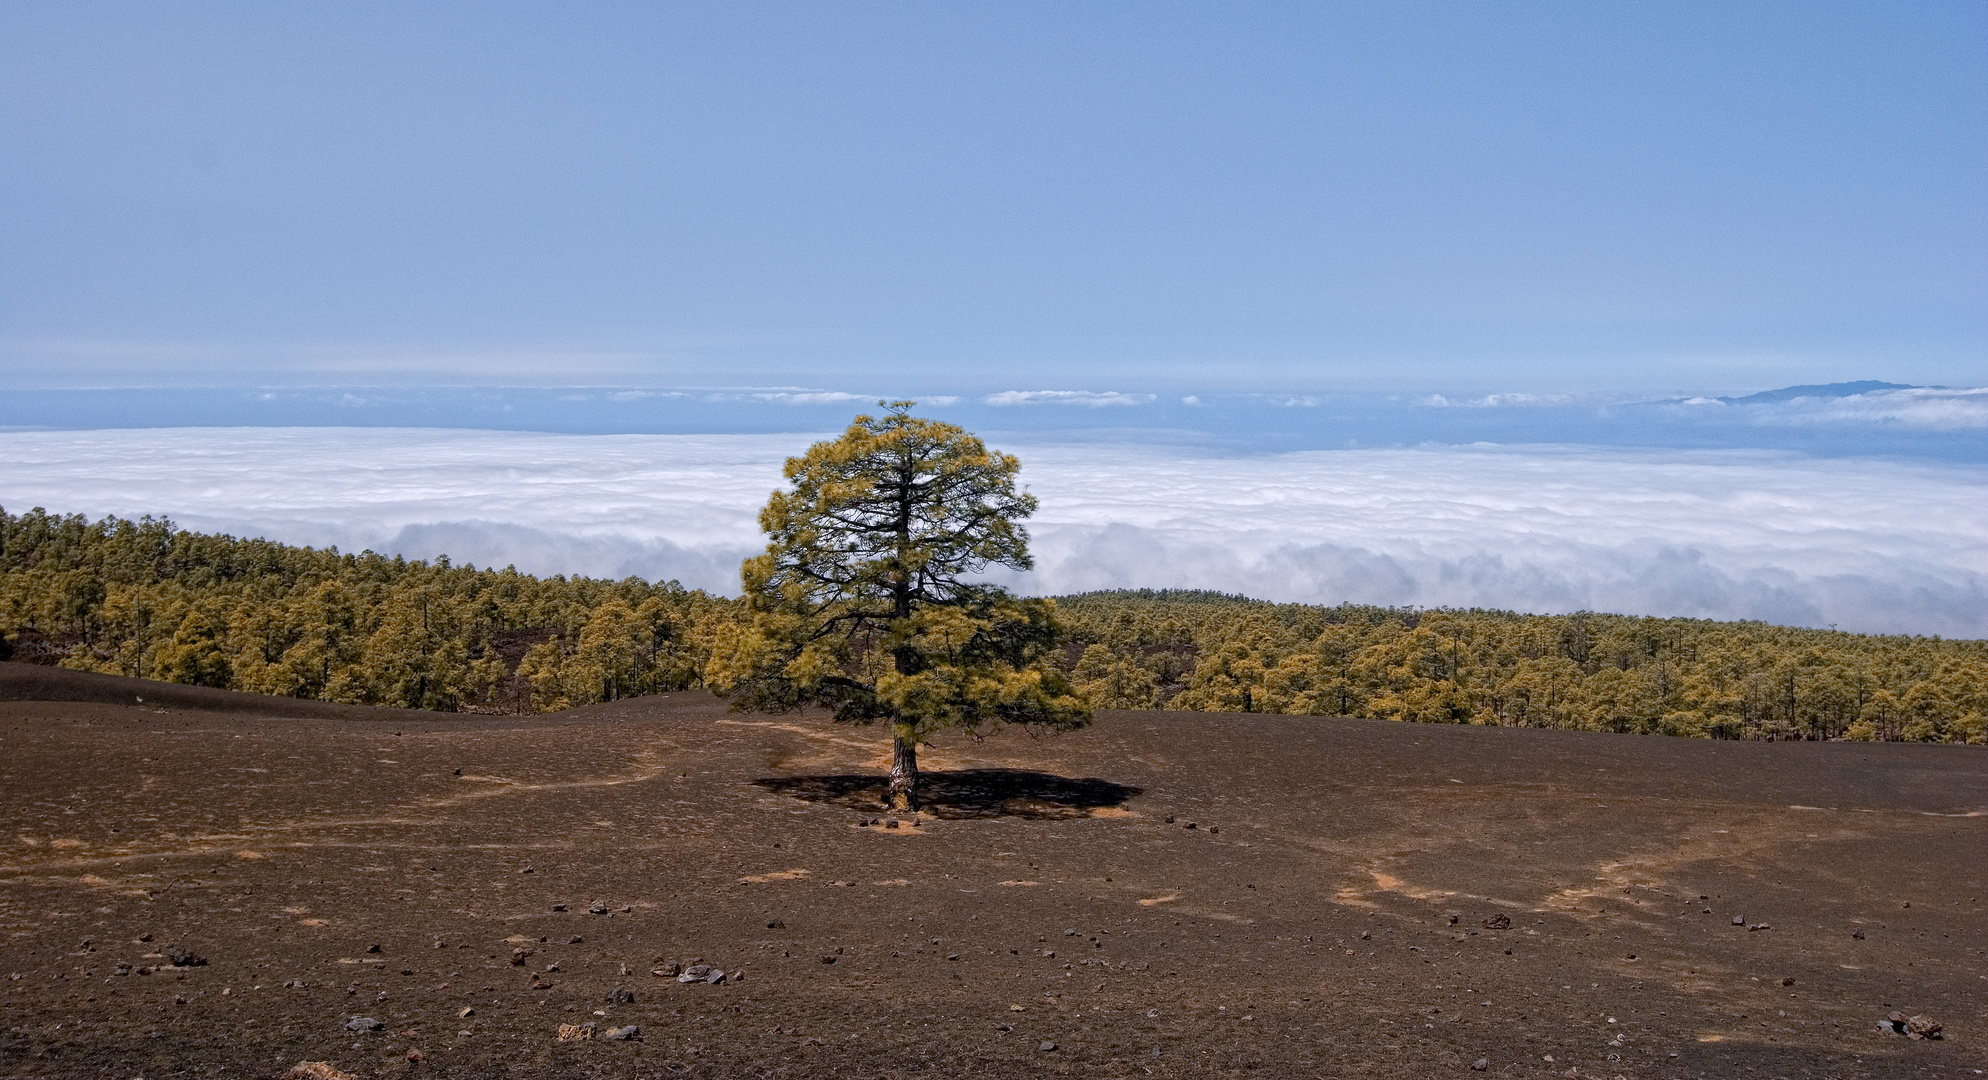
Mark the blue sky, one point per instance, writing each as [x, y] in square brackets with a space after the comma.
[967, 199]
[1409, 303]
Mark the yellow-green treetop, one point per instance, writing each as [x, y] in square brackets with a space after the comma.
[869, 600]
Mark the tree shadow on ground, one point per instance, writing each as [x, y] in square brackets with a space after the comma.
[966, 793]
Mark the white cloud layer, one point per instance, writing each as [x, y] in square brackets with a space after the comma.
[661, 506]
[1869, 544]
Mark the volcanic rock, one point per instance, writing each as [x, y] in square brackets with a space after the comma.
[1912, 1027]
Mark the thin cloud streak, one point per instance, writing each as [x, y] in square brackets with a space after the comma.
[1871, 545]
[1086, 398]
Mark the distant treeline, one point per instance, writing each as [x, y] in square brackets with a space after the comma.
[146, 599]
[1587, 672]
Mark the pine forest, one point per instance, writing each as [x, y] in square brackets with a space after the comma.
[143, 598]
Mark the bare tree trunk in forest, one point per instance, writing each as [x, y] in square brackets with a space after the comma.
[903, 768]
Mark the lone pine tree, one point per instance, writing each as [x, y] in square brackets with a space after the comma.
[868, 600]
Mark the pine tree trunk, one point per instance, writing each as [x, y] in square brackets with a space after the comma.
[903, 769]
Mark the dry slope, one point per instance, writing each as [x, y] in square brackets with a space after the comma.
[1166, 894]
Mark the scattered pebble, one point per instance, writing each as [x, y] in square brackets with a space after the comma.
[316, 1070]
[703, 973]
[1500, 921]
[1047, 1047]
[364, 1023]
[631, 1033]
[1480, 1064]
[575, 1032]
[182, 957]
[620, 996]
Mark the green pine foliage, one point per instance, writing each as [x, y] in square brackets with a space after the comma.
[1584, 672]
[146, 599]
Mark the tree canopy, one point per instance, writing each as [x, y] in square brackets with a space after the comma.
[870, 599]
[1585, 671]
[145, 599]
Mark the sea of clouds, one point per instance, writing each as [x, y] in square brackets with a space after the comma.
[1869, 544]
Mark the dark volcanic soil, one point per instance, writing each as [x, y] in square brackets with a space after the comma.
[1329, 898]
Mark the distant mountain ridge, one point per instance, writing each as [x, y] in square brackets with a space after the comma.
[1823, 390]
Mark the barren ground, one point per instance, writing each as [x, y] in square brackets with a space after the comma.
[1323, 902]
